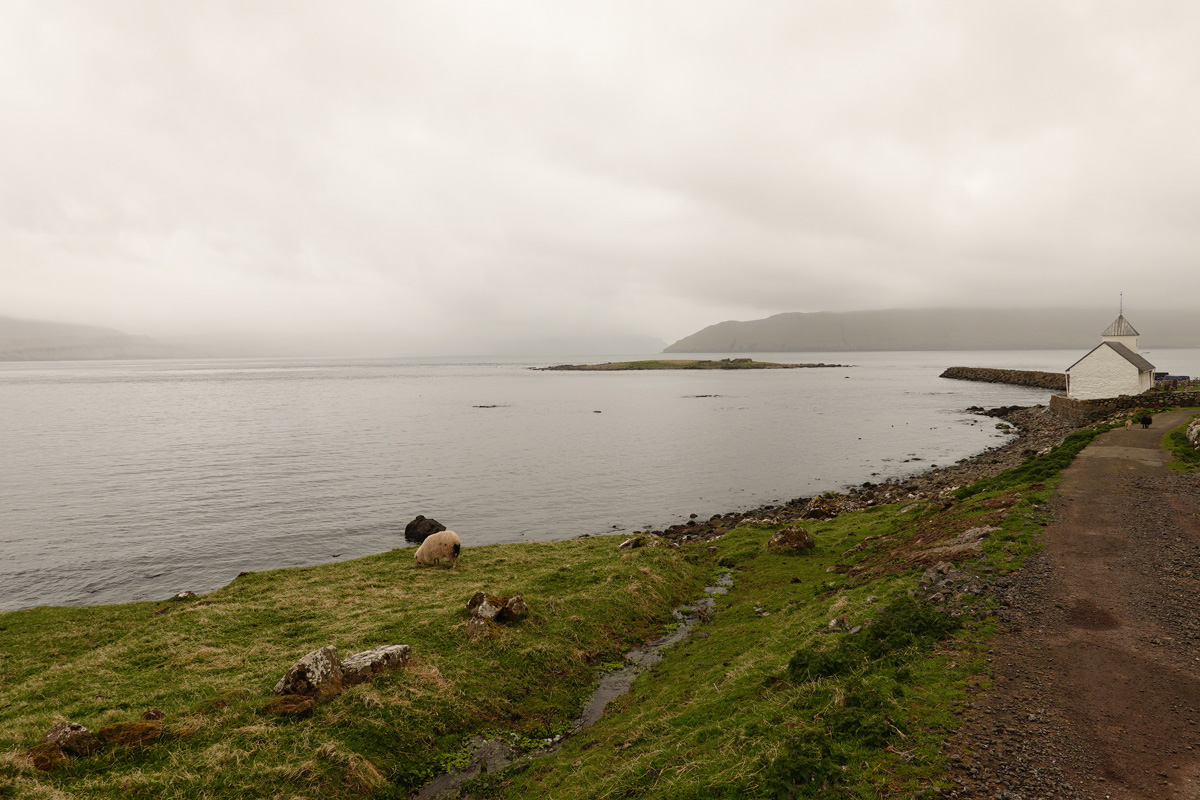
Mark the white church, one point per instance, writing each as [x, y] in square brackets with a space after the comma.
[1112, 368]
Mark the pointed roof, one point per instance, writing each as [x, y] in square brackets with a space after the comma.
[1120, 327]
[1133, 358]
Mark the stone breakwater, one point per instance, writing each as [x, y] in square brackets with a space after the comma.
[1056, 381]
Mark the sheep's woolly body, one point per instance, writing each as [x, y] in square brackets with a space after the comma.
[438, 546]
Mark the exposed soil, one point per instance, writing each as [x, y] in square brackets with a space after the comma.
[1097, 670]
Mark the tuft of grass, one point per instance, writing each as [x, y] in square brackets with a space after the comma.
[903, 627]
[1187, 458]
[1037, 469]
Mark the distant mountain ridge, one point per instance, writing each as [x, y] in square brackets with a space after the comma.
[936, 329]
[36, 340]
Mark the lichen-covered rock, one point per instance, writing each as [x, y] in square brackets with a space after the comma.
[1193, 433]
[514, 608]
[479, 628]
[317, 675]
[486, 606]
[72, 737]
[968, 542]
[46, 757]
[361, 666]
[131, 734]
[792, 540]
[497, 607]
[290, 705]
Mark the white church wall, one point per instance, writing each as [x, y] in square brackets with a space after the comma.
[1104, 373]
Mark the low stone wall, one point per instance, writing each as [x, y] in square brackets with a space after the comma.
[1084, 411]
[1017, 377]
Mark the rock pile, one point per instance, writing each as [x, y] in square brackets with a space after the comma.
[489, 610]
[70, 739]
[362, 666]
[969, 542]
[321, 675]
[791, 540]
[947, 585]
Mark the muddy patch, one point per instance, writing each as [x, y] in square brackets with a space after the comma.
[1089, 616]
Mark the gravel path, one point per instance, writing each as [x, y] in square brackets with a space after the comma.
[1097, 670]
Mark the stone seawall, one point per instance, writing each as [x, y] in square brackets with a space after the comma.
[1085, 411]
[1018, 377]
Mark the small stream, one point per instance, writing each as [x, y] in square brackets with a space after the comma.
[493, 755]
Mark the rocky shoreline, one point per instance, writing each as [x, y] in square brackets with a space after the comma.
[1037, 431]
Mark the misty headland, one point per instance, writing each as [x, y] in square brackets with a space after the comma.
[932, 329]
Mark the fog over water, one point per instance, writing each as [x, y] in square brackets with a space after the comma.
[137, 480]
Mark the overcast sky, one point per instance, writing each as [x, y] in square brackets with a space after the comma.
[450, 175]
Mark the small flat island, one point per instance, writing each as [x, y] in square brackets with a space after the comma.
[724, 363]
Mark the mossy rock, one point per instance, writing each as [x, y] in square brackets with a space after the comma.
[131, 734]
[792, 541]
[46, 757]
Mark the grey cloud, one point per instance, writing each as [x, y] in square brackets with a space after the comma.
[568, 169]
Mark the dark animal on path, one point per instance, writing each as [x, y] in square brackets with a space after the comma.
[1146, 420]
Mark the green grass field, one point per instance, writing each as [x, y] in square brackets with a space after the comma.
[737, 710]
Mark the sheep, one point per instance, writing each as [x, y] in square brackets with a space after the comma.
[1146, 420]
[1129, 423]
[438, 546]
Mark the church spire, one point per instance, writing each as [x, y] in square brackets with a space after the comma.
[1120, 331]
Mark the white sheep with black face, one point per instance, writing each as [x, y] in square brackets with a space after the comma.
[443, 545]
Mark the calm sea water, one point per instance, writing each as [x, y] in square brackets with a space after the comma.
[135, 480]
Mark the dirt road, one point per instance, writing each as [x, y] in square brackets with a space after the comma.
[1097, 691]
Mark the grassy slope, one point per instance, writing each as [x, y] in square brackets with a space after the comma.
[1186, 457]
[721, 716]
[210, 663]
